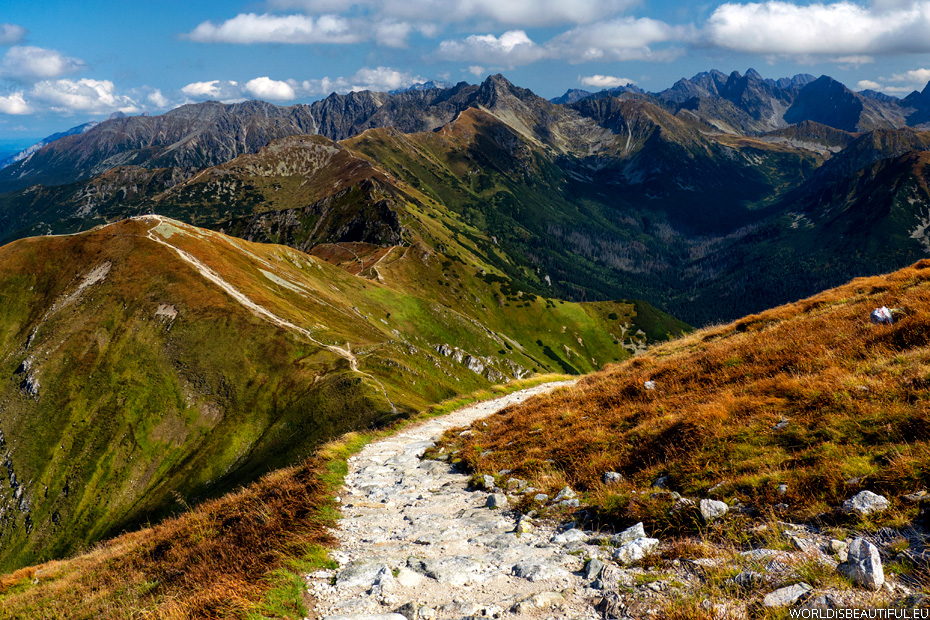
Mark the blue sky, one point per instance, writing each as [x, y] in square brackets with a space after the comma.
[64, 63]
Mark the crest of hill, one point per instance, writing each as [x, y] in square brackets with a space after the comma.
[813, 132]
[809, 395]
[150, 358]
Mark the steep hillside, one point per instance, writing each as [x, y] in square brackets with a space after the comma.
[150, 362]
[871, 221]
[601, 224]
[809, 395]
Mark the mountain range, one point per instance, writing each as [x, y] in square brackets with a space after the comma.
[668, 197]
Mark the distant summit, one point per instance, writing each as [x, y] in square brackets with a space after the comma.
[421, 86]
[574, 95]
[45, 141]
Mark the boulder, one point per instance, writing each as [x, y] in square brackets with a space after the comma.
[593, 569]
[524, 525]
[821, 602]
[408, 578]
[566, 493]
[539, 570]
[569, 536]
[863, 565]
[865, 503]
[361, 573]
[496, 500]
[881, 316]
[628, 535]
[635, 550]
[453, 570]
[540, 600]
[415, 611]
[748, 579]
[612, 477]
[789, 595]
[711, 509]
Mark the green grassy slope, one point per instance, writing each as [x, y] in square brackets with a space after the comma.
[135, 384]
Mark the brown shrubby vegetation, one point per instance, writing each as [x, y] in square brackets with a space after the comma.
[810, 395]
[216, 561]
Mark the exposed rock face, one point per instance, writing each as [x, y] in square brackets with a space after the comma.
[628, 535]
[827, 101]
[192, 136]
[29, 384]
[863, 565]
[497, 500]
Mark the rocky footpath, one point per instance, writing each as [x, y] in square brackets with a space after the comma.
[416, 542]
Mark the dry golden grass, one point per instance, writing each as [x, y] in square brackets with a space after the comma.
[213, 562]
[854, 395]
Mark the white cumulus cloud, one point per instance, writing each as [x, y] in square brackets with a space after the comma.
[511, 49]
[898, 83]
[524, 13]
[14, 104]
[27, 63]
[270, 90]
[620, 39]
[477, 70]
[157, 99]
[916, 76]
[380, 79]
[84, 95]
[11, 34]
[266, 28]
[605, 81]
[625, 38]
[393, 33]
[839, 29]
[219, 90]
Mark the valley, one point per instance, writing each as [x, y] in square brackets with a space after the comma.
[667, 197]
[206, 312]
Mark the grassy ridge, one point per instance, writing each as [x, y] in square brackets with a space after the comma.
[240, 556]
[155, 385]
[809, 395]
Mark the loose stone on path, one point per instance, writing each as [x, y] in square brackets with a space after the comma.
[415, 541]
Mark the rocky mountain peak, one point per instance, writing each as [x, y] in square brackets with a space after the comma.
[497, 88]
[829, 102]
